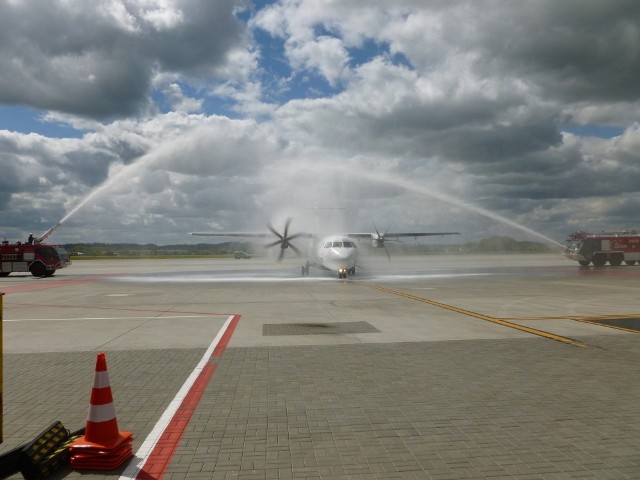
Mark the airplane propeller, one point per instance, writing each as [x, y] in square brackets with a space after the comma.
[284, 239]
[379, 239]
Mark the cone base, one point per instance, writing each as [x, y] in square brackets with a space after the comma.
[84, 444]
[100, 464]
[97, 459]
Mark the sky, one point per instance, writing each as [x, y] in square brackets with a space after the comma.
[142, 121]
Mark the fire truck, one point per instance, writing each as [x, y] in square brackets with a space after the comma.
[600, 248]
[38, 259]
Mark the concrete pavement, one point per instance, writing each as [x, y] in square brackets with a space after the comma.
[332, 379]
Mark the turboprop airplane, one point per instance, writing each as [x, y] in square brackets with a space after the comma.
[337, 252]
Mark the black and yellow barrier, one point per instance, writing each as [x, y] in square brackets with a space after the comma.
[46, 454]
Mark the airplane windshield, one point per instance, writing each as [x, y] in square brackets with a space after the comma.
[345, 244]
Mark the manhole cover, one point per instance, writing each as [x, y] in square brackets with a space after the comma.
[338, 328]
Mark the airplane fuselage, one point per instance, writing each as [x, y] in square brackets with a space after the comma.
[337, 253]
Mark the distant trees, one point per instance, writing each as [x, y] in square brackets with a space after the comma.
[152, 250]
[495, 244]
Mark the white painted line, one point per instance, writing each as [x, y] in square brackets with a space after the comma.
[150, 442]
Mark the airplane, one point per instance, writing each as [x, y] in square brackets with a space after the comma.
[337, 253]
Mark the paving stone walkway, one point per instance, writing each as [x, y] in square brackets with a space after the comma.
[497, 409]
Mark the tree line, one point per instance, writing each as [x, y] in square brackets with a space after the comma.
[495, 244]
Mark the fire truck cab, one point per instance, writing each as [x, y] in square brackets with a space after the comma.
[612, 247]
[38, 259]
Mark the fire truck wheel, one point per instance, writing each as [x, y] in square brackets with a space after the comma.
[630, 262]
[599, 260]
[616, 259]
[38, 269]
[49, 273]
[6, 274]
[584, 263]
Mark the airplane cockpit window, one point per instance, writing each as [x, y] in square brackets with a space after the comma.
[337, 244]
[349, 245]
[328, 245]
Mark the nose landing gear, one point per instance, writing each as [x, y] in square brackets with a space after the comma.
[344, 272]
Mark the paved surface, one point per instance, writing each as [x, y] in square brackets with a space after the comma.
[431, 367]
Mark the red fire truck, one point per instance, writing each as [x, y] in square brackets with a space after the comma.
[38, 259]
[600, 248]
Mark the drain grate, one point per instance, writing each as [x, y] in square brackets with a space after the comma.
[339, 328]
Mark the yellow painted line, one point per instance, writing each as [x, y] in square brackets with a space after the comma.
[504, 323]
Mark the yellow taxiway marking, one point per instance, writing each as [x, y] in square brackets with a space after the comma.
[499, 321]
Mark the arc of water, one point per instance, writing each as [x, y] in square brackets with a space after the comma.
[456, 202]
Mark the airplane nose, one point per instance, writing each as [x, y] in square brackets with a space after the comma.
[343, 253]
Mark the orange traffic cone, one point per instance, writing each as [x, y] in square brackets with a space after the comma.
[102, 447]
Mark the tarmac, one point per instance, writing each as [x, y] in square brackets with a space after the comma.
[425, 367]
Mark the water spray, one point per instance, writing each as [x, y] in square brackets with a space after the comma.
[44, 236]
[410, 186]
[116, 179]
[458, 203]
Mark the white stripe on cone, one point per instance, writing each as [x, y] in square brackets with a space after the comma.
[101, 413]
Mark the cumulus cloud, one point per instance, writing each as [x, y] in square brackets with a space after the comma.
[99, 60]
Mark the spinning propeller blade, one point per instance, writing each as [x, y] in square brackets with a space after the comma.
[284, 239]
[380, 239]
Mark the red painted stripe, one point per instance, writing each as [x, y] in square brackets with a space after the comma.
[224, 341]
[159, 458]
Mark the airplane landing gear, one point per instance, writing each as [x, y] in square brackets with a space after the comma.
[344, 272]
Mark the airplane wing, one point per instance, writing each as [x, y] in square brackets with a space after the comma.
[283, 240]
[246, 234]
[378, 239]
[376, 235]
[232, 234]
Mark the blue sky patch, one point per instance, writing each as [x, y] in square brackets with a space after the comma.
[599, 131]
[29, 120]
